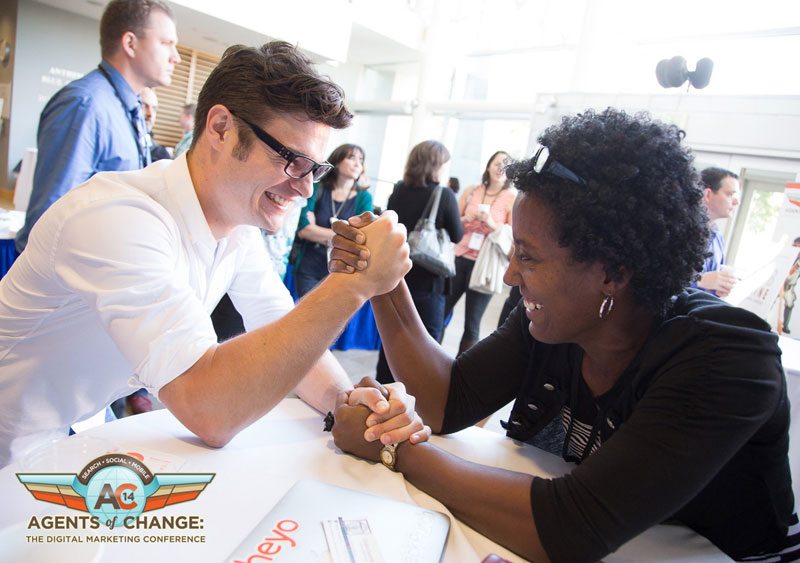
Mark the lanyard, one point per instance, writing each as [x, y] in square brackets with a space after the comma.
[335, 212]
[143, 153]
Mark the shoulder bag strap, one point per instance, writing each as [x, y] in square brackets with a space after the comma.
[436, 196]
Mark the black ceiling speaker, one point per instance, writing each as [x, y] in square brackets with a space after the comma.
[672, 73]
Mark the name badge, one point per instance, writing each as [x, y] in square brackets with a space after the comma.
[476, 240]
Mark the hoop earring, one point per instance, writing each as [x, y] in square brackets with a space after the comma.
[606, 306]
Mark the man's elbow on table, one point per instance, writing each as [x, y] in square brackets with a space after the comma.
[195, 401]
[203, 424]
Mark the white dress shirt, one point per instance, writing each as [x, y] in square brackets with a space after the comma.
[113, 292]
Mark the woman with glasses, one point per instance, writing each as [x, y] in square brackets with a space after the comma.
[672, 403]
[484, 208]
[425, 169]
[336, 196]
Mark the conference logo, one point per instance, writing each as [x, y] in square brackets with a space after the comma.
[116, 491]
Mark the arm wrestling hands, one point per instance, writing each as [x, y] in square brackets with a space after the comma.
[389, 417]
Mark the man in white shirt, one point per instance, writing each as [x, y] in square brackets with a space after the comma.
[116, 285]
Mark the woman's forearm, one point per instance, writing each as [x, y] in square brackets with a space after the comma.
[495, 502]
[416, 359]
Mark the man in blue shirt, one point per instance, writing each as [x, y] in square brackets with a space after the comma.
[720, 196]
[95, 123]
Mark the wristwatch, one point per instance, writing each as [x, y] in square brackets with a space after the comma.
[389, 456]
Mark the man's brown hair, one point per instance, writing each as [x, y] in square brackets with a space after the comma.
[256, 83]
[121, 16]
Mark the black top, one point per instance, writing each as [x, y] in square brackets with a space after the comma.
[159, 152]
[696, 430]
[409, 203]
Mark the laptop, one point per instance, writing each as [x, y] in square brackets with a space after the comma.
[317, 522]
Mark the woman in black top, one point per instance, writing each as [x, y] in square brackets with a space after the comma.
[672, 402]
[422, 175]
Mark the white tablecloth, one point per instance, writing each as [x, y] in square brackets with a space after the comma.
[257, 468]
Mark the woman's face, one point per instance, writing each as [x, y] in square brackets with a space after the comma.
[352, 166]
[562, 297]
[497, 168]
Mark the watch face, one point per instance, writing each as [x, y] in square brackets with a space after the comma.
[387, 457]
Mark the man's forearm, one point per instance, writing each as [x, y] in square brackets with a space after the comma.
[323, 383]
[239, 381]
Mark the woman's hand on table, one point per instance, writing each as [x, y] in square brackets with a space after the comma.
[392, 418]
[348, 432]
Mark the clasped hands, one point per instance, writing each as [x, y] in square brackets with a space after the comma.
[372, 415]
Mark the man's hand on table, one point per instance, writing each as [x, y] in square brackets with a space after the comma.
[366, 420]
[397, 423]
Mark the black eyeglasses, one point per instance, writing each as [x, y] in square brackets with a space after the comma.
[543, 163]
[297, 165]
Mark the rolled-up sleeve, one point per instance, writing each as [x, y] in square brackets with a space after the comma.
[129, 268]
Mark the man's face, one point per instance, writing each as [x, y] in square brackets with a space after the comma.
[256, 190]
[721, 204]
[150, 107]
[156, 51]
[186, 121]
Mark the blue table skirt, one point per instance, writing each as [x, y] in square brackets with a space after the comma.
[7, 255]
[361, 333]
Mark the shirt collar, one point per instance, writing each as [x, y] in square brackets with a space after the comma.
[180, 185]
[129, 98]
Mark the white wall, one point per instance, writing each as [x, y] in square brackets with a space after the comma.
[746, 131]
[8, 17]
[53, 48]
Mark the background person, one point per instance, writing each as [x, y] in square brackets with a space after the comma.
[673, 403]
[336, 197]
[454, 184]
[186, 121]
[720, 196]
[426, 163]
[150, 107]
[788, 291]
[86, 318]
[484, 208]
[95, 123]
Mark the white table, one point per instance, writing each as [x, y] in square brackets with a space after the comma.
[258, 467]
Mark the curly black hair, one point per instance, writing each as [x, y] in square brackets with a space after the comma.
[641, 208]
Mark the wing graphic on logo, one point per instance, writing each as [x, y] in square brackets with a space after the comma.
[65, 489]
[58, 488]
[172, 488]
